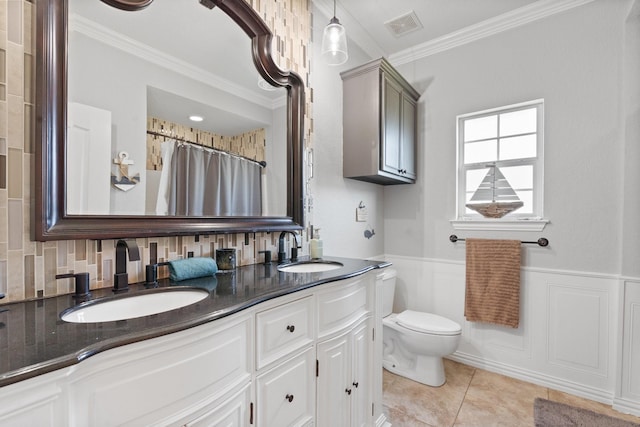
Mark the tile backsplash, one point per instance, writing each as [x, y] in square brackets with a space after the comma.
[28, 268]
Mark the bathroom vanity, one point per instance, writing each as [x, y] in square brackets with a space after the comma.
[266, 348]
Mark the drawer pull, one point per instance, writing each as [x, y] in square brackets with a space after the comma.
[355, 384]
[348, 391]
[291, 328]
[289, 397]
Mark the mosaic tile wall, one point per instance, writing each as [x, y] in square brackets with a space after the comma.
[250, 145]
[28, 268]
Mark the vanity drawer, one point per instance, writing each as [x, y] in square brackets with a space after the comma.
[340, 306]
[283, 329]
[285, 395]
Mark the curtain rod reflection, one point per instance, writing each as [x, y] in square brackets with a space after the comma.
[163, 135]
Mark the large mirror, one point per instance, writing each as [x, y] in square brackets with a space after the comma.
[126, 77]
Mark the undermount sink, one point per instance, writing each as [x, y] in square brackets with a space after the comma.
[312, 266]
[132, 306]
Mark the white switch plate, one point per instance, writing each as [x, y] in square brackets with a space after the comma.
[361, 214]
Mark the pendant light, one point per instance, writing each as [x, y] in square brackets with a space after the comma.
[334, 41]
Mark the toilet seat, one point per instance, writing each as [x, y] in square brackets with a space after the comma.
[428, 323]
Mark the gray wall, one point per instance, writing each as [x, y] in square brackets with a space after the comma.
[575, 60]
[335, 198]
[584, 63]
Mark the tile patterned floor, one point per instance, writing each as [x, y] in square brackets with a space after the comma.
[472, 398]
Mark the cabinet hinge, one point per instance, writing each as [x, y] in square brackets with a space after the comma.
[317, 368]
[251, 413]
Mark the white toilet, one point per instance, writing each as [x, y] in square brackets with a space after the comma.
[414, 342]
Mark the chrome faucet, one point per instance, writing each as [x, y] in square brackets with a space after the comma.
[120, 278]
[282, 253]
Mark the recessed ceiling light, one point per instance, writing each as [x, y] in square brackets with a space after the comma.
[262, 84]
[196, 118]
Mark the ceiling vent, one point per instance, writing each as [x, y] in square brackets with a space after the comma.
[403, 24]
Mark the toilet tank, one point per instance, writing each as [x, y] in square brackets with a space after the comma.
[388, 290]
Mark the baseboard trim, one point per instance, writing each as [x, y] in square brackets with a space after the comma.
[382, 421]
[559, 384]
[626, 406]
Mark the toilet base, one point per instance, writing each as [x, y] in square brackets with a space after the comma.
[425, 370]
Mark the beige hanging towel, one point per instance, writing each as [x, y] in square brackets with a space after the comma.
[493, 282]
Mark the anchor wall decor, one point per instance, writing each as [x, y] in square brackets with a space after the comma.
[125, 182]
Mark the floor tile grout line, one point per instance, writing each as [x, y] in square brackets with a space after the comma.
[464, 397]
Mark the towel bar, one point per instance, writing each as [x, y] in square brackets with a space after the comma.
[541, 241]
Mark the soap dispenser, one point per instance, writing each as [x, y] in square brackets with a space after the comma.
[315, 245]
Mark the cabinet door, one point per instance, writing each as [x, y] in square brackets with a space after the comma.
[361, 385]
[344, 378]
[334, 366]
[38, 401]
[391, 127]
[178, 375]
[408, 138]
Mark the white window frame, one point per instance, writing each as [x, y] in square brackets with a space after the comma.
[515, 221]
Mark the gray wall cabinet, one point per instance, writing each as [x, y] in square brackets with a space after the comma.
[379, 125]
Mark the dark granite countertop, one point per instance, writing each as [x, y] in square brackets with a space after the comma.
[34, 340]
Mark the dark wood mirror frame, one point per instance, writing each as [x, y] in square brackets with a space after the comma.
[49, 218]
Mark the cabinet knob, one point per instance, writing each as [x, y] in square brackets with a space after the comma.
[348, 391]
[291, 328]
[355, 384]
[289, 397]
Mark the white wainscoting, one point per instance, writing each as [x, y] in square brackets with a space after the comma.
[628, 393]
[568, 338]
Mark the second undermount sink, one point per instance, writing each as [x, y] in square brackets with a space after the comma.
[132, 306]
[311, 266]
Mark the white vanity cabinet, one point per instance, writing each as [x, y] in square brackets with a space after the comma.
[175, 379]
[344, 354]
[285, 395]
[233, 412]
[285, 364]
[283, 329]
[39, 401]
[303, 359]
[344, 388]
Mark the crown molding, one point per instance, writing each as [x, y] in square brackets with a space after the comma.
[489, 27]
[114, 39]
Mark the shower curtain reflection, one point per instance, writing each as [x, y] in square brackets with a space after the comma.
[197, 181]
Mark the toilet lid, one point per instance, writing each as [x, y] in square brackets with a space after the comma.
[428, 323]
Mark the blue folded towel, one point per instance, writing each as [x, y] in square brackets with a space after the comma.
[191, 268]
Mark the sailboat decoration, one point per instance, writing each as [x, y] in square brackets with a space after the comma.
[496, 188]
